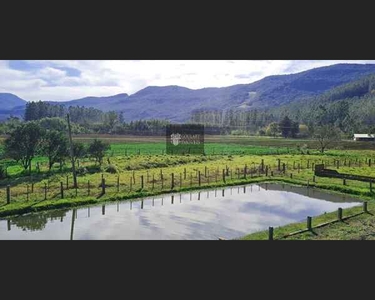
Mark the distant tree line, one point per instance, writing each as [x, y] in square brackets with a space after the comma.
[84, 120]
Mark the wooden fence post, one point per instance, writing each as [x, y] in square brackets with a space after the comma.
[118, 183]
[88, 187]
[67, 182]
[278, 164]
[8, 194]
[224, 175]
[309, 226]
[172, 181]
[339, 214]
[270, 233]
[45, 191]
[153, 181]
[103, 186]
[365, 207]
[344, 181]
[142, 182]
[199, 178]
[62, 189]
[180, 180]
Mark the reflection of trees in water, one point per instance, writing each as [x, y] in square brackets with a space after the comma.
[38, 221]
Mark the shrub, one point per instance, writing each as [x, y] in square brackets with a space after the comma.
[82, 171]
[2, 172]
[93, 169]
[111, 169]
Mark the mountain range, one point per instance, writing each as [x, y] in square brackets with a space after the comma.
[176, 103]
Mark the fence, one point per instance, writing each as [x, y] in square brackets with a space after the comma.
[164, 180]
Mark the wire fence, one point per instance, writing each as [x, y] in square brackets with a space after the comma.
[169, 179]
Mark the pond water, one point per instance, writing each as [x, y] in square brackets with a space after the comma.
[228, 212]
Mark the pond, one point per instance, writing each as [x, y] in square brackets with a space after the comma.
[229, 212]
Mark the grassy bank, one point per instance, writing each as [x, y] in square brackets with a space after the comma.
[360, 226]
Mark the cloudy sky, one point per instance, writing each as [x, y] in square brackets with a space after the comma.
[66, 79]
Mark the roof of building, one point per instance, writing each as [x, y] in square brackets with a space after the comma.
[360, 135]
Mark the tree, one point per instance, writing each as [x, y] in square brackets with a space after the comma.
[121, 117]
[54, 123]
[285, 126]
[23, 143]
[273, 129]
[79, 150]
[303, 130]
[326, 135]
[97, 150]
[294, 130]
[55, 147]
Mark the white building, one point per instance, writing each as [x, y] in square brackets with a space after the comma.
[364, 137]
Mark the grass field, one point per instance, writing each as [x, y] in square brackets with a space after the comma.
[133, 158]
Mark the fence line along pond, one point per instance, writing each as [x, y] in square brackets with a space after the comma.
[229, 212]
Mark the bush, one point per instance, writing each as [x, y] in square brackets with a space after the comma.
[94, 169]
[111, 169]
[239, 132]
[82, 171]
[2, 172]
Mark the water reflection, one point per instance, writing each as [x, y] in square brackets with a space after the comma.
[35, 222]
[195, 216]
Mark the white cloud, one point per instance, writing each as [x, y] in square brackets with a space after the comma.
[48, 80]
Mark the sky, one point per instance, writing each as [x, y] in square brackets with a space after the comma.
[62, 80]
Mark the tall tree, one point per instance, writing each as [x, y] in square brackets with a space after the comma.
[23, 143]
[55, 147]
[326, 135]
[273, 129]
[285, 126]
[79, 151]
[97, 150]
